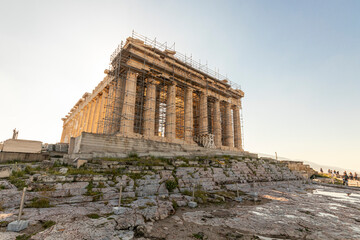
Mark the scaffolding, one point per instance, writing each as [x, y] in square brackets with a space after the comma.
[131, 94]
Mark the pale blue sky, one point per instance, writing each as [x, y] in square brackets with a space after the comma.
[298, 63]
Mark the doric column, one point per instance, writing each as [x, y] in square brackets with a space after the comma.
[101, 110]
[170, 124]
[229, 137]
[72, 131]
[104, 110]
[76, 124]
[189, 123]
[84, 122]
[237, 128]
[63, 133]
[128, 110]
[217, 124]
[95, 115]
[157, 113]
[149, 109]
[81, 120]
[91, 114]
[203, 124]
[111, 125]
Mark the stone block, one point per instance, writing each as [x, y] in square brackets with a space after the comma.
[80, 162]
[25, 146]
[192, 204]
[121, 210]
[63, 170]
[17, 226]
[5, 172]
[126, 235]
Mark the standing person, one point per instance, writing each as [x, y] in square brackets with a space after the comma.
[350, 176]
[355, 176]
[345, 179]
[321, 170]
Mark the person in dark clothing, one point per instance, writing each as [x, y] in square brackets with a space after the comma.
[321, 170]
[355, 176]
[345, 179]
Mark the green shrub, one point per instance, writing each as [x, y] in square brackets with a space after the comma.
[133, 155]
[18, 174]
[136, 176]
[17, 182]
[199, 235]
[171, 185]
[175, 205]
[89, 192]
[48, 224]
[39, 203]
[93, 215]
[23, 237]
[29, 170]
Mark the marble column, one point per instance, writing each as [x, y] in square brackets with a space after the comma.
[237, 128]
[81, 120]
[95, 115]
[229, 137]
[203, 123]
[91, 115]
[170, 124]
[106, 105]
[128, 110]
[157, 113]
[101, 110]
[217, 124]
[189, 123]
[149, 109]
[84, 123]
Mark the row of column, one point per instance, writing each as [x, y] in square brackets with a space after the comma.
[232, 136]
[87, 119]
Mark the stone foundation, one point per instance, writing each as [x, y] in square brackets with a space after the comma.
[102, 145]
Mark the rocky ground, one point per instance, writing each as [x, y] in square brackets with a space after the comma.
[68, 203]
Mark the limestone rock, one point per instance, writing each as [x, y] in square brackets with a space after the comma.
[17, 226]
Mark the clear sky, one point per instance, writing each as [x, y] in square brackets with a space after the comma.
[298, 63]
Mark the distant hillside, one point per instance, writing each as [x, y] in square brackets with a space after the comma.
[313, 165]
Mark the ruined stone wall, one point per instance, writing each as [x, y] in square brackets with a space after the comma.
[25, 146]
[22, 157]
[298, 166]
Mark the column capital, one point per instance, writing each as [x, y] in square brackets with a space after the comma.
[151, 80]
[172, 83]
[235, 107]
[132, 74]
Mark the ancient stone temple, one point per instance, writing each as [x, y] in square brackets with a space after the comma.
[153, 92]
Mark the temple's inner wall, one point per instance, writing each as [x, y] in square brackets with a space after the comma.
[149, 93]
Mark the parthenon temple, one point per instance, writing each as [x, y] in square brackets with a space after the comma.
[152, 92]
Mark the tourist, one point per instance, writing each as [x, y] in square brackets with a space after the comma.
[345, 179]
[351, 176]
[321, 170]
[355, 176]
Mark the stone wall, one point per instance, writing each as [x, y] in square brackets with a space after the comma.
[298, 166]
[104, 144]
[24, 146]
[22, 157]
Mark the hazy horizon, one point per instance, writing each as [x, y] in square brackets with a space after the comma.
[298, 63]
